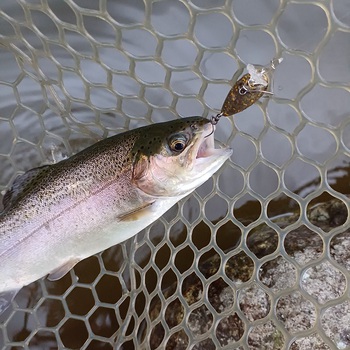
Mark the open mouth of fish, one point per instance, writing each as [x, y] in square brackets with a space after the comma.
[206, 145]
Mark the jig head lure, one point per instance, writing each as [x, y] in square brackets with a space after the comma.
[247, 90]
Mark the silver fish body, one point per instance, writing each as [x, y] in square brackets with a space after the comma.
[57, 215]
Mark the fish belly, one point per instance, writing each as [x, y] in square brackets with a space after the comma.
[76, 233]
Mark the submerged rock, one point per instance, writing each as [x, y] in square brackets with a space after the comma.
[265, 292]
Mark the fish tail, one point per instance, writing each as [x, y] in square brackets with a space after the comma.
[6, 299]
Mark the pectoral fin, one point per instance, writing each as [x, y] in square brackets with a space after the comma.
[6, 299]
[62, 270]
[137, 214]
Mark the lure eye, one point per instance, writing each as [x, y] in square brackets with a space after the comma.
[177, 143]
[242, 90]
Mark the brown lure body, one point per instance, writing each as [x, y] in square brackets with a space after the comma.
[241, 96]
[247, 90]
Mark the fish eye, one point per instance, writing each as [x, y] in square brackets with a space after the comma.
[177, 143]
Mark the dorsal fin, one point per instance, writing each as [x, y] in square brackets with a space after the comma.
[19, 185]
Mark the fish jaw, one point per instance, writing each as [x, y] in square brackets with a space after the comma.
[180, 175]
[206, 159]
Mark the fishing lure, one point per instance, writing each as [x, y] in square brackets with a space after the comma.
[247, 90]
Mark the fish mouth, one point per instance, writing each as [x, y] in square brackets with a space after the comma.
[206, 144]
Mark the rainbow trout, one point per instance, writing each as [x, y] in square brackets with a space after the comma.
[56, 215]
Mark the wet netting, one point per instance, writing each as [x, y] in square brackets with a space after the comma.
[256, 258]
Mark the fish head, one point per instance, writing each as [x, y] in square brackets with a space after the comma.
[173, 158]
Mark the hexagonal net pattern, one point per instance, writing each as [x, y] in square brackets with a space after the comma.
[256, 258]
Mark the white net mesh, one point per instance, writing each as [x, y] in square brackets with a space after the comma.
[219, 270]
